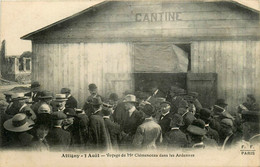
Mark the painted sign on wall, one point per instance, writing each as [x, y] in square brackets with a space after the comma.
[157, 17]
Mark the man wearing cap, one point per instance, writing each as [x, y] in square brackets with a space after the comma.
[205, 115]
[112, 127]
[98, 134]
[45, 97]
[59, 103]
[19, 106]
[35, 90]
[132, 119]
[93, 90]
[71, 102]
[58, 138]
[227, 137]
[175, 138]
[196, 134]
[165, 117]
[149, 134]
[17, 131]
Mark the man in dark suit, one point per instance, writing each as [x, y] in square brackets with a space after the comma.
[165, 118]
[205, 115]
[98, 134]
[35, 92]
[112, 127]
[71, 102]
[132, 119]
[19, 106]
[175, 138]
[44, 98]
[93, 90]
[58, 138]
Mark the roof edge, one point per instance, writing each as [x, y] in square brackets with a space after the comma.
[26, 37]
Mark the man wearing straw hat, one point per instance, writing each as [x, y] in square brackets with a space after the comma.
[16, 131]
[132, 119]
[59, 102]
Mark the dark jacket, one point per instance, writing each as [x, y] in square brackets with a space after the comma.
[58, 138]
[71, 103]
[175, 138]
[119, 113]
[35, 97]
[212, 134]
[114, 132]
[98, 134]
[164, 122]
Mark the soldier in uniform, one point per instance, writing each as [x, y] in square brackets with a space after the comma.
[71, 102]
[149, 134]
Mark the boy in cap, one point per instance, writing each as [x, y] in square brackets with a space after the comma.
[175, 138]
[58, 138]
[71, 102]
[149, 134]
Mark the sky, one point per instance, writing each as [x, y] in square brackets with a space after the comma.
[20, 17]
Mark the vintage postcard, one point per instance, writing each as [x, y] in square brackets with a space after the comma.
[130, 83]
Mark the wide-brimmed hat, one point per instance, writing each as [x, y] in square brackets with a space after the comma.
[19, 123]
[65, 90]
[44, 108]
[148, 109]
[46, 95]
[177, 119]
[35, 84]
[60, 97]
[221, 103]
[18, 96]
[130, 99]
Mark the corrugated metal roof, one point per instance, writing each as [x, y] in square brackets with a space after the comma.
[252, 5]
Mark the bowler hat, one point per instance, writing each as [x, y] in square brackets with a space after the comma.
[18, 96]
[92, 86]
[148, 109]
[130, 99]
[44, 108]
[46, 95]
[177, 119]
[19, 123]
[221, 103]
[35, 84]
[60, 97]
[226, 122]
[65, 90]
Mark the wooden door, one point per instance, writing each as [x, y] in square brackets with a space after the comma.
[205, 84]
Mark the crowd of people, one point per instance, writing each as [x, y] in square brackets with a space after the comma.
[40, 121]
